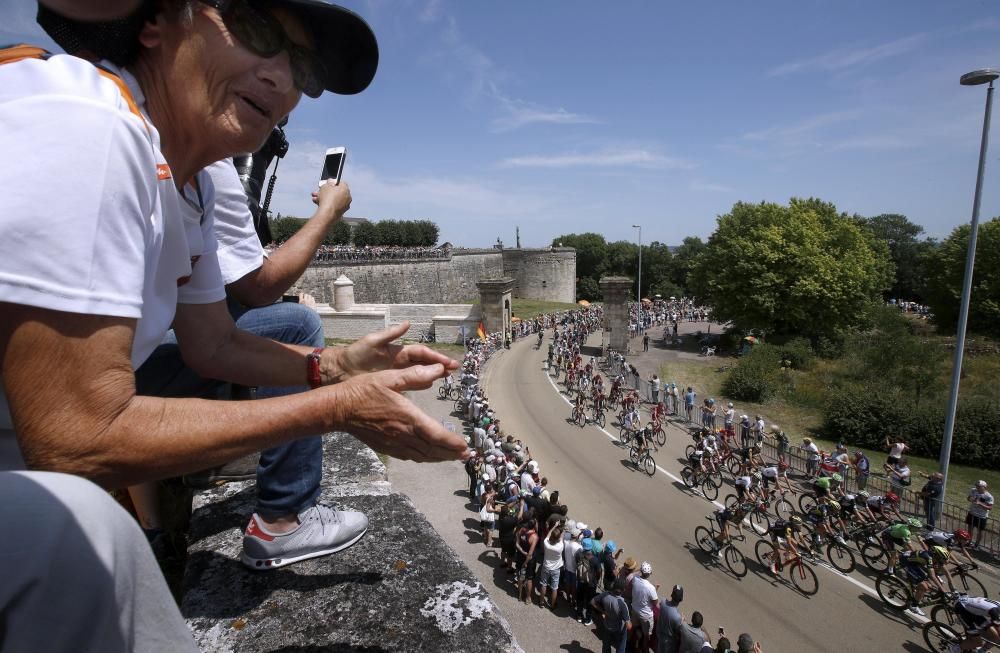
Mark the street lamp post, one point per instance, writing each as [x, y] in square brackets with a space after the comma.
[638, 290]
[974, 78]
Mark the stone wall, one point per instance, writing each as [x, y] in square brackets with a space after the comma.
[440, 281]
[442, 321]
[547, 274]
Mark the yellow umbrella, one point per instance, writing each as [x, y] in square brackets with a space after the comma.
[583, 302]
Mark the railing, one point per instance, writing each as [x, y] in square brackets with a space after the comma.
[950, 518]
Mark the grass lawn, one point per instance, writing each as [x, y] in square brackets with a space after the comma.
[804, 421]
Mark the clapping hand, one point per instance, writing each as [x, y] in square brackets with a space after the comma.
[375, 352]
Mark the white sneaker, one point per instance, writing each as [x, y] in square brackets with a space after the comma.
[321, 531]
[914, 609]
[840, 540]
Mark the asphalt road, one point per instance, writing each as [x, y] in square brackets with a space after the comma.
[654, 519]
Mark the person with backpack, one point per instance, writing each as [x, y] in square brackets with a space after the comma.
[527, 561]
[612, 607]
[589, 572]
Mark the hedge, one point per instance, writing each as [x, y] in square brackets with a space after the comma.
[863, 416]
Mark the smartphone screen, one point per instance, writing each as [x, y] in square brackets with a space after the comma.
[333, 166]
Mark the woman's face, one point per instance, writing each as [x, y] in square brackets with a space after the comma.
[231, 96]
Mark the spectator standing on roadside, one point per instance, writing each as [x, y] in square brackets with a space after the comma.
[669, 623]
[588, 578]
[571, 550]
[643, 599]
[552, 563]
[746, 644]
[899, 475]
[812, 457]
[931, 495]
[692, 637]
[506, 533]
[980, 503]
[654, 386]
[614, 612]
[862, 468]
[645, 342]
[689, 398]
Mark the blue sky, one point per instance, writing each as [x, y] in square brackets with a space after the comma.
[584, 116]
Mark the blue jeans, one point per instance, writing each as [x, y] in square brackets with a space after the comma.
[614, 641]
[288, 476]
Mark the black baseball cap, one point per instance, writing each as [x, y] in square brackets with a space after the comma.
[345, 43]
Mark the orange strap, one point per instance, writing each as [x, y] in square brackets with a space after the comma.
[23, 51]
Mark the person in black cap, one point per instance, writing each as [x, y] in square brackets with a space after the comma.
[669, 622]
[131, 231]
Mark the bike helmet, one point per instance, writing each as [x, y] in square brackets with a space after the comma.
[892, 498]
[864, 494]
[757, 476]
[795, 519]
[963, 535]
[837, 478]
[711, 402]
[755, 448]
[940, 553]
[914, 523]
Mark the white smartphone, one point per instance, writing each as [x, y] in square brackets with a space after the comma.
[333, 166]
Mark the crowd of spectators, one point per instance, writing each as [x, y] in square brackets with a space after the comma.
[552, 554]
[371, 253]
[664, 312]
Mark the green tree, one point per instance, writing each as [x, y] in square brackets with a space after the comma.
[683, 262]
[428, 233]
[591, 252]
[906, 250]
[797, 269]
[945, 272]
[657, 270]
[365, 234]
[587, 288]
[285, 228]
[339, 233]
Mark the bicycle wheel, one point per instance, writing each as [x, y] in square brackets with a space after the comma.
[633, 454]
[442, 392]
[875, 556]
[625, 435]
[759, 522]
[730, 501]
[943, 613]
[939, 636]
[716, 478]
[733, 465]
[806, 503]
[703, 538]
[661, 437]
[893, 591]
[709, 489]
[601, 420]
[455, 393]
[840, 557]
[969, 584]
[803, 577]
[688, 450]
[736, 562]
[783, 509]
[764, 552]
[581, 419]
[648, 464]
[687, 476]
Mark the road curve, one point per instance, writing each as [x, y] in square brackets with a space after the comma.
[654, 519]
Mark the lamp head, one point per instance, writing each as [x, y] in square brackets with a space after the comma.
[977, 77]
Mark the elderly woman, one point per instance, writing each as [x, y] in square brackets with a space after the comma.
[102, 257]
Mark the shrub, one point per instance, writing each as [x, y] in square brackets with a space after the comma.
[799, 352]
[757, 377]
[863, 415]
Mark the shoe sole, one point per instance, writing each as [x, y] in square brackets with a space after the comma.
[265, 564]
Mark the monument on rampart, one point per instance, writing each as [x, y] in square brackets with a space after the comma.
[616, 292]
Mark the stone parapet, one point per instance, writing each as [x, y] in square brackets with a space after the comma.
[401, 588]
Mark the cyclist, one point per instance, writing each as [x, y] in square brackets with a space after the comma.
[724, 517]
[784, 534]
[743, 486]
[898, 535]
[774, 474]
[951, 541]
[697, 460]
[821, 487]
[750, 457]
[884, 508]
[643, 441]
[580, 404]
[916, 565]
[598, 399]
[631, 420]
[822, 516]
[980, 617]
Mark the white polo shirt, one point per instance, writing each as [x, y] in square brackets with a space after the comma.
[92, 222]
[240, 251]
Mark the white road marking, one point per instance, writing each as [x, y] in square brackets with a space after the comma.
[866, 588]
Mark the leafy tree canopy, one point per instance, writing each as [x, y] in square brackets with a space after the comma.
[797, 269]
[906, 250]
[946, 270]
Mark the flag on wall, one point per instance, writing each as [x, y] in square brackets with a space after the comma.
[481, 330]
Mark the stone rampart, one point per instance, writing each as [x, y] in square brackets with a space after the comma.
[547, 274]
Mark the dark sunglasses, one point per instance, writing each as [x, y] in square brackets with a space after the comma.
[261, 33]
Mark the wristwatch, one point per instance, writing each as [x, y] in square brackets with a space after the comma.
[312, 368]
